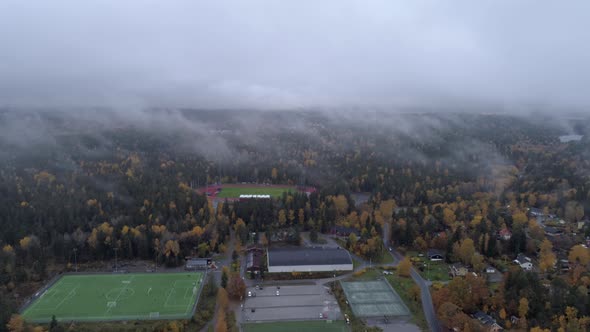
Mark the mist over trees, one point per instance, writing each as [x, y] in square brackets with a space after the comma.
[84, 185]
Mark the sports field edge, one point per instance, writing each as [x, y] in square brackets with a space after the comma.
[102, 318]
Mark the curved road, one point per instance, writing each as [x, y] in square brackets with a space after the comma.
[427, 306]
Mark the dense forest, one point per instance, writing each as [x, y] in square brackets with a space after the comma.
[86, 186]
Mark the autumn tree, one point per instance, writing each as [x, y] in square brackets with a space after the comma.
[16, 324]
[171, 251]
[478, 262]
[236, 287]
[221, 323]
[404, 267]
[547, 256]
[464, 250]
[222, 298]
[282, 218]
[468, 292]
[579, 254]
[523, 309]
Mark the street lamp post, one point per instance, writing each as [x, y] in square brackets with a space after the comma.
[75, 260]
[334, 282]
[116, 249]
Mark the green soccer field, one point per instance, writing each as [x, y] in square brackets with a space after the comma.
[307, 326]
[235, 192]
[108, 297]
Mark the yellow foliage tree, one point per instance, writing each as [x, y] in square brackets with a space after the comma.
[547, 256]
[16, 324]
[8, 249]
[523, 307]
[464, 250]
[171, 248]
[580, 255]
[404, 267]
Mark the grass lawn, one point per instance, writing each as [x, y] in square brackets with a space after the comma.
[235, 192]
[402, 287]
[435, 271]
[387, 258]
[109, 297]
[369, 274]
[308, 326]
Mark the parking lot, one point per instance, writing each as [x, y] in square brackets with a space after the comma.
[301, 302]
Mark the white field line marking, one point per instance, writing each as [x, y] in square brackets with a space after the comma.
[120, 292]
[68, 296]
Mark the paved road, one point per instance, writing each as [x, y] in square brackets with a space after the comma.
[427, 306]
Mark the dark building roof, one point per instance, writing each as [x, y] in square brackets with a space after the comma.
[345, 230]
[197, 262]
[253, 260]
[435, 252]
[307, 256]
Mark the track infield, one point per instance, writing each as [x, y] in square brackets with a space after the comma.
[228, 191]
[308, 326]
[114, 297]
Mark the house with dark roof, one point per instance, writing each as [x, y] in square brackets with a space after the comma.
[552, 231]
[435, 255]
[253, 261]
[536, 212]
[308, 260]
[524, 262]
[487, 321]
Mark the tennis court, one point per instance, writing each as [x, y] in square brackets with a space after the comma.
[308, 326]
[111, 297]
[374, 299]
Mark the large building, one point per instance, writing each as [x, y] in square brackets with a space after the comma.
[308, 260]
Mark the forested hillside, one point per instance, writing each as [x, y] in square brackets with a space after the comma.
[87, 184]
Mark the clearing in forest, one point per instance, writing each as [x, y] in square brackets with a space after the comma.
[115, 297]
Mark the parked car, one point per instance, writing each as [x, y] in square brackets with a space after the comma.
[277, 293]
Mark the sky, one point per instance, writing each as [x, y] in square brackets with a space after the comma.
[295, 54]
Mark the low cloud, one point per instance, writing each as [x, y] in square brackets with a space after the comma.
[302, 54]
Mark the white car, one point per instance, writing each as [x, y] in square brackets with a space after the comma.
[249, 294]
[277, 293]
[321, 315]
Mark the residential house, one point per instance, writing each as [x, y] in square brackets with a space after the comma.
[582, 224]
[536, 212]
[564, 265]
[435, 255]
[487, 321]
[458, 270]
[552, 231]
[524, 262]
[505, 234]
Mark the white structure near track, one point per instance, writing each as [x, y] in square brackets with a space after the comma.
[308, 260]
[255, 196]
